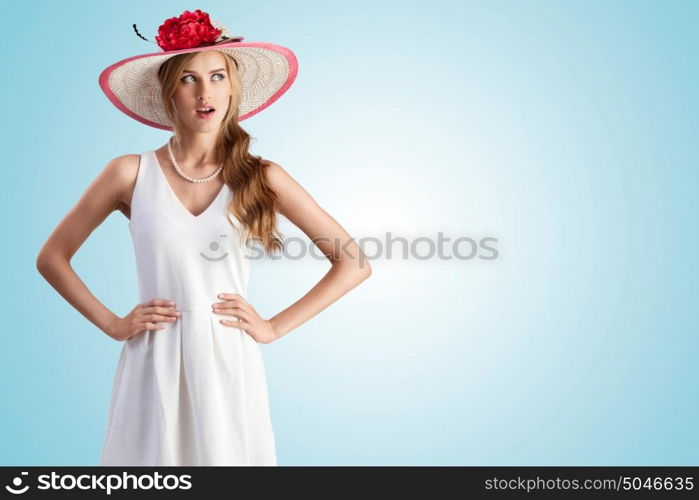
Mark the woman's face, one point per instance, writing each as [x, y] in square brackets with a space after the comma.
[203, 83]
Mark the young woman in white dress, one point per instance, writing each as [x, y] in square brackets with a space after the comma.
[190, 386]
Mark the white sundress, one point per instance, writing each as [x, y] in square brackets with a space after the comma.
[194, 392]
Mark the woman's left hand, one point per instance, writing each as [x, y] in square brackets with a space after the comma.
[247, 319]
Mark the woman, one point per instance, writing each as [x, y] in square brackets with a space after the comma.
[190, 385]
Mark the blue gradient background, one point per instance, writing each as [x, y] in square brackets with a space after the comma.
[567, 130]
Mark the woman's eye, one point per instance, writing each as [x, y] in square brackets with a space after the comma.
[192, 76]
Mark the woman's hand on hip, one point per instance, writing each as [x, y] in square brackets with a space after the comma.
[246, 318]
[143, 317]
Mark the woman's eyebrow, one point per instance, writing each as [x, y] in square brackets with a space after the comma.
[212, 71]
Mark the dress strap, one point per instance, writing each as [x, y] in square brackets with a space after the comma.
[145, 193]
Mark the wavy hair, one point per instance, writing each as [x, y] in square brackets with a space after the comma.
[255, 202]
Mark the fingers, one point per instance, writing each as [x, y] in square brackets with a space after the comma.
[229, 296]
[232, 323]
[236, 322]
[238, 312]
[232, 297]
[154, 318]
[150, 313]
[232, 304]
[160, 307]
[162, 311]
[232, 300]
[151, 326]
[158, 302]
[150, 321]
[241, 316]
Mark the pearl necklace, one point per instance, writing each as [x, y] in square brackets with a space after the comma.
[185, 176]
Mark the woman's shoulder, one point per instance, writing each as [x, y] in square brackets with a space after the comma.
[123, 169]
[285, 186]
[273, 171]
[275, 174]
[122, 172]
[126, 161]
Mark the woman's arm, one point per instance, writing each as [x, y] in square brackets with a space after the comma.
[106, 194]
[349, 264]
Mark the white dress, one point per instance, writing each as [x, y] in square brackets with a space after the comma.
[195, 392]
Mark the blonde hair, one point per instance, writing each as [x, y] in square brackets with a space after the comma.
[255, 202]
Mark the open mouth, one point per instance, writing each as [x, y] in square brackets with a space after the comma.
[205, 112]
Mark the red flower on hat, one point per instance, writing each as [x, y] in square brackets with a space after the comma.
[191, 29]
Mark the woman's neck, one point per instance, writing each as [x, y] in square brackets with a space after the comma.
[193, 150]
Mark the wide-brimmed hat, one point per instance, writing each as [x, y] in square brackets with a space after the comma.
[267, 70]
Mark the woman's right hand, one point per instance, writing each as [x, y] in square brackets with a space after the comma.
[143, 317]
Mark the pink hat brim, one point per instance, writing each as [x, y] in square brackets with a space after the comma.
[287, 53]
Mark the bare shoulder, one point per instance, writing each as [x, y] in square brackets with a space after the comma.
[123, 169]
[292, 197]
[122, 172]
[297, 205]
[274, 171]
[280, 180]
[128, 162]
[103, 196]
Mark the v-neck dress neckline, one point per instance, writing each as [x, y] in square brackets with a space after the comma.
[177, 200]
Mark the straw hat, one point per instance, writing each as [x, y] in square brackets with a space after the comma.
[267, 70]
